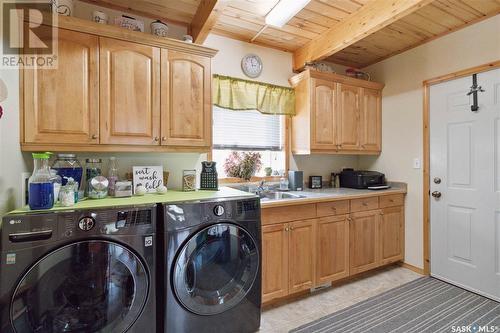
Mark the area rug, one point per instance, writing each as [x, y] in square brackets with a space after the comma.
[424, 305]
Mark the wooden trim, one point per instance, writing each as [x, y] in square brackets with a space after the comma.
[110, 31]
[164, 19]
[205, 18]
[371, 18]
[426, 143]
[412, 268]
[310, 73]
[34, 147]
[21, 106]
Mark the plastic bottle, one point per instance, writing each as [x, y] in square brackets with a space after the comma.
[112, 175]
[41, 187]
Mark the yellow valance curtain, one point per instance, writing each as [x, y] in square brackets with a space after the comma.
[238, 94]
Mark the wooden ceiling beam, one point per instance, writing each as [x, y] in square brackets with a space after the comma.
[205, 18]
[369, 19]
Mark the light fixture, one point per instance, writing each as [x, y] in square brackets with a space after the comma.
[284, 11]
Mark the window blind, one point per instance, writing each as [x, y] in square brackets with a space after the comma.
[246, 130]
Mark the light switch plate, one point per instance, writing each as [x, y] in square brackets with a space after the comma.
[417, 164]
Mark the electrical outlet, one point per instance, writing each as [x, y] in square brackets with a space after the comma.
[417, 164]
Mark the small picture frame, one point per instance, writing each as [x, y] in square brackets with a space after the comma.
[151, 177]
[315, 182]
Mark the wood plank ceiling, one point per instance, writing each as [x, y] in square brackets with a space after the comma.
[245, 20]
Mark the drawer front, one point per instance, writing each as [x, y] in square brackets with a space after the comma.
[288, 213]
[392, 200]
[332, 208]
[359, 205]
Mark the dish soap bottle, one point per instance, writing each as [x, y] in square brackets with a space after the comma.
[41, 187]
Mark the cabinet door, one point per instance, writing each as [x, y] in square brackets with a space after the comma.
[324, 131]
[332, 250]
[61, 105]
[274, 261]
[392, 234]
[130, 93]
[186, 100]
[301, 255]
[364, 241]
[348, 123]
[371, 120]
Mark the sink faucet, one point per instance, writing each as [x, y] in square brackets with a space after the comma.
[261, 187]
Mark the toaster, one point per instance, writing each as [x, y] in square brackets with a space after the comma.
[360, 179]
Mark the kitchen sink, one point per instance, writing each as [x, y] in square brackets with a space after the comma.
[264, 196]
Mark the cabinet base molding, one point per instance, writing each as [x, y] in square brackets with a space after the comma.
[306, 293]
[412, 268]
[100, 148]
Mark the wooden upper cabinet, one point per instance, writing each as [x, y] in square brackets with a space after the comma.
[130, 93]
[392, 234]
[61, 105]
[364, 241]
[186, 100]
[348, 120]
[335, 114]
[332, 249]
[371, 120]
[301, 255]
[324, 131]
[274, 261]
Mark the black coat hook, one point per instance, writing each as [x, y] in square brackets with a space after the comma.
[474, 89]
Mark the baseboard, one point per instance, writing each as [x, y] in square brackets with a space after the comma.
[412, 268]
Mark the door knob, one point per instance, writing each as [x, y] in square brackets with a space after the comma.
[436, 194]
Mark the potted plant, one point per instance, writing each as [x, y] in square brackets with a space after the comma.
[242, 165]
[268, 171]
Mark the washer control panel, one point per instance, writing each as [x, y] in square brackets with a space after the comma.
[86, 223]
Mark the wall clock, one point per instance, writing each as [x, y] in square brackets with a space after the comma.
[251, 64]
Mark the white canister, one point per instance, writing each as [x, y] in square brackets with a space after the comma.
[63, 7]
[158, 28]
[187, 38]
[99, 17]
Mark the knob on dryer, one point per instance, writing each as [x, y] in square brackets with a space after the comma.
[219, 210]
[86, 223]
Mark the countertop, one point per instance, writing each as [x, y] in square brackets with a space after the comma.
[170, 196]
[333, 194]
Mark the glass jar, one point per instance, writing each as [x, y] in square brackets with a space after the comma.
[57, 182]
[41, 186]
[93, 168]
[68, 166]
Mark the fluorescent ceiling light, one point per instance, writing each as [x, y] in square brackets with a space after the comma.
[284, 11]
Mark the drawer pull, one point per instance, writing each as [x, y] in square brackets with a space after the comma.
[365, 204]
[333, 208]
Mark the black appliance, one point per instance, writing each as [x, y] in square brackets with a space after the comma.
[295, 180]
[315, 182]
[362, 179]
[208, 176]
[213, 268]
[79, 271]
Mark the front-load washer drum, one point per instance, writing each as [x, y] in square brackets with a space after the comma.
[215, 269]
[88, 286]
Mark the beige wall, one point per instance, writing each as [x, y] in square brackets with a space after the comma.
[402, 110]
[277, 69]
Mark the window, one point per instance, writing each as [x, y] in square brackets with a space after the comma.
[249, 131]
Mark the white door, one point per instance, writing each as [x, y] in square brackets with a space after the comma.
[465, 156]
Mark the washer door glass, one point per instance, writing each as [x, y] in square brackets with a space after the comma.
[89, 286]
[215, 269]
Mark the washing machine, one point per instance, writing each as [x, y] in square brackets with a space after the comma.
[79, 271]
[212, 273]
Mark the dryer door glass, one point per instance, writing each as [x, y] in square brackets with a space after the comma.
[89, 286]
[215, 269]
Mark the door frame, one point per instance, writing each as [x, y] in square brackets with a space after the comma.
[426, 138]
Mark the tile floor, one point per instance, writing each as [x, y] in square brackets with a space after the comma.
[285, 317]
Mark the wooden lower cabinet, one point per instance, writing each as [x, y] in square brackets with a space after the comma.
[274, 261]
[302, 237]
[364, 246]
[332, 249]
[392, 235]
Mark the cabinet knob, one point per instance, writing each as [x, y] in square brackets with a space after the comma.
[94, 136]
[163, 138]
[156, 139]
[286, 229]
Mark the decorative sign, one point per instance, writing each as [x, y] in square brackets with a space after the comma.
[151, 177]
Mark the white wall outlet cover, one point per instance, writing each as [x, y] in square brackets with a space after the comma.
[417, 164]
